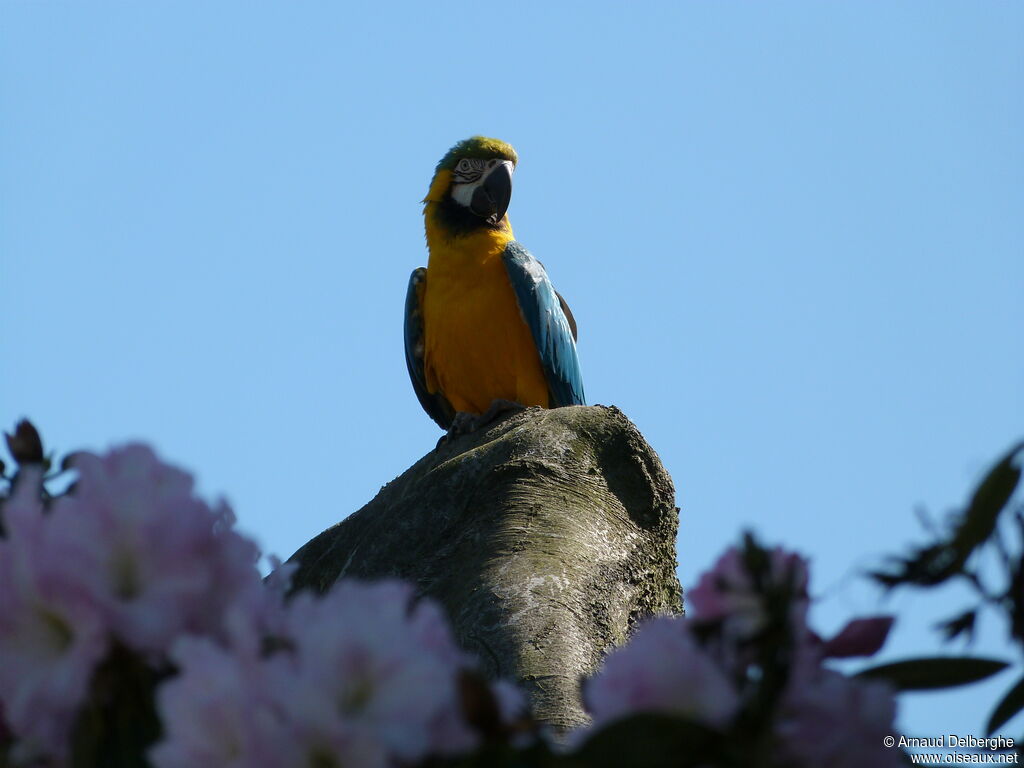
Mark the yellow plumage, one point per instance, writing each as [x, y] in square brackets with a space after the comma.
[477, 347]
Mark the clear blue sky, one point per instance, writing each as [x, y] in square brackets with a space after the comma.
[792, 235]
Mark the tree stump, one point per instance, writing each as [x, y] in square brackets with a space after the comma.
[546, 535]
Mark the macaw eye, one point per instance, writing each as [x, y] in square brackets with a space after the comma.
[468, 170]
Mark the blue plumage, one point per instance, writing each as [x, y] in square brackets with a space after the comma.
[541, 308]
[436, 405]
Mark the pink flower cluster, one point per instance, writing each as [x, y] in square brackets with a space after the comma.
[369, 678]
[726, 593]
[703, 668]
[662, 669]
[132, 558]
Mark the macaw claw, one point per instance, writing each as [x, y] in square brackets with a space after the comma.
[466, 423]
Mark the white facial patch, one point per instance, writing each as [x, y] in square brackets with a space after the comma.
[470, 174]
[463, 193]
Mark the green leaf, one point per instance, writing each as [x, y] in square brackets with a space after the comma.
[118, 722]
[925, 567]
[1011, 704]
[537, 755]
[958, 625]
[935, 672]
[652, 741]
[937, 562]
[988, 501]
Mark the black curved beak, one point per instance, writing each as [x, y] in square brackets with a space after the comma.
[491, 198]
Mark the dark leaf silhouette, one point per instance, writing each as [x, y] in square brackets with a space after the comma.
[936, 672]
[1010, 705]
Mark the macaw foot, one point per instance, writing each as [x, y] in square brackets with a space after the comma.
[498, 407]
[465, 423]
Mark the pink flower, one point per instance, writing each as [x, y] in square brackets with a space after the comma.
[827, 719]
[258, 616]
[237, 710]
[220, 711]
[364, 677]
[52, 636]
[512, 702]
[727, 592]
[662, 669]
[860, 637]
[156, 559]
[368, 659]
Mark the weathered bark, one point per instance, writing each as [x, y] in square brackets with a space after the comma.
[546, 536]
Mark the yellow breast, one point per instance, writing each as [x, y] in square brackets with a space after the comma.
[477, 347]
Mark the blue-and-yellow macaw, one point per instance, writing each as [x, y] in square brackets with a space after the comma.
[482, 322]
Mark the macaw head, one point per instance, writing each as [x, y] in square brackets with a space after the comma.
[473, 183]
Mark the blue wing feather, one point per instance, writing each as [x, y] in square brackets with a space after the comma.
[436, 405]
[552, 332]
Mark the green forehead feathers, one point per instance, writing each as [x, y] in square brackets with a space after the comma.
[477, 148]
